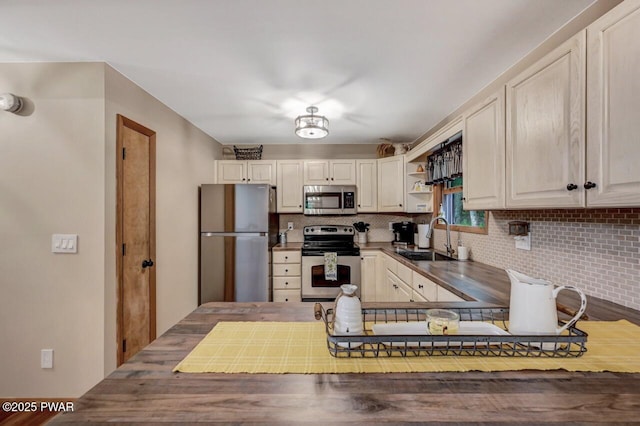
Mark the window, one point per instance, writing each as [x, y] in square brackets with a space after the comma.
[449, 196]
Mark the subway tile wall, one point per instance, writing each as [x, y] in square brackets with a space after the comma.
[596, 250]
[378, 224]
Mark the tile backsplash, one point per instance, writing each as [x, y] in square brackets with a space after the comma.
[378, 224]
[596, 250]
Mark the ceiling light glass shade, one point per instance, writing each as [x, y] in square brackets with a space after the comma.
[312, 126]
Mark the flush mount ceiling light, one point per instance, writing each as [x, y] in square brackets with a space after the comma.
[312, 126]
[10, 102]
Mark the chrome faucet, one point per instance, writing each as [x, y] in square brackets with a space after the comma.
[450, 249]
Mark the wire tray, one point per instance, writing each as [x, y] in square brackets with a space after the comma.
[570, 344]
[248, 153]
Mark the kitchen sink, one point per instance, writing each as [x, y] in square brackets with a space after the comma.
[423, 255]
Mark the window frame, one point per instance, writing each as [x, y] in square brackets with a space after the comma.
[438, 192]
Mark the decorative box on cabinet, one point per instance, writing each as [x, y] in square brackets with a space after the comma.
[286, 276]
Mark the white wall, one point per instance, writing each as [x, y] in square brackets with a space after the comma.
[57, 175]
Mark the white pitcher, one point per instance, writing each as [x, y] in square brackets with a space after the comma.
[347, 314]
[532, 309]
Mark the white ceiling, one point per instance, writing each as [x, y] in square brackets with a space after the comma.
[242, 70]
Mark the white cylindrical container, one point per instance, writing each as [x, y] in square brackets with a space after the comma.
[423, 240]
[362, 237]
[463, 253]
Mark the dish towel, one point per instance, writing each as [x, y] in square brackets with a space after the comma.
[331, 266]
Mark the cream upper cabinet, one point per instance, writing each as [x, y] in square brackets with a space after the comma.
[483, 154]
[231, 171]
[249, 171]
[391, 184]
[289, 186]
[613, 108]
[545, 145]
[329, 172]
[367, 183]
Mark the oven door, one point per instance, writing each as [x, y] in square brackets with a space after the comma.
[314, 284]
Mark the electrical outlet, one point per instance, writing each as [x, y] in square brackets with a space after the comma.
[46, 358]
[390, 226]
[290, 226]
[523, 242]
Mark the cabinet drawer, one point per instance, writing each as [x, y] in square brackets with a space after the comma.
[287, 296]
[286, 256]
[404, 273]
[286, 283]
[424, 287]
[286, 270]
[391, 264]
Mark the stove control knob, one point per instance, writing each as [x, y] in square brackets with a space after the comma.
[311, 229]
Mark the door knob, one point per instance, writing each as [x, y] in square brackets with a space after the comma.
[589, 185]
[572, 186]
[147, 263]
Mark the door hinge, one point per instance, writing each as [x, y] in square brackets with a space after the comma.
[124, 153]
[124, 345]
[124, 249]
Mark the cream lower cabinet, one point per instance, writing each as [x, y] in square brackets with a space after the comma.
[250, 171]
[391, 184]
[289, 186]
[613, 120]
[545, 142]
[424, 289]
[483, 154]
[286, 275]
[368, 275]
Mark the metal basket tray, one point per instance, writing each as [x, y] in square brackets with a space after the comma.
[248, 153]
[369, 345]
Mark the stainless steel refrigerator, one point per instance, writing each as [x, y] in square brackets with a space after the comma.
[238, 228]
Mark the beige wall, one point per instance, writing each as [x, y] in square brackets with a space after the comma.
[52, 181]
[57, 175]
[184, 160]
[310, 150]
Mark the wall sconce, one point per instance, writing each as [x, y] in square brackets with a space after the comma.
[521, 233]
[11, 103]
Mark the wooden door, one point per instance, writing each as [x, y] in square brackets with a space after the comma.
[613, 94]
[367, 181]
[135, 238]
[289, 192]
[342, 172]
[545, 142]
[483, 159]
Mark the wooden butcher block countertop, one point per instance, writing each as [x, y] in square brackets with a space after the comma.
[145, 390]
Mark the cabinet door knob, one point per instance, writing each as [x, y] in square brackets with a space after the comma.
[589, 185]
[331, 178]
[420, 286]
[243, 179]
[572, 186]
[359, 205]
[286, 300]
[326, 178]
[400, 205]
[248, 180]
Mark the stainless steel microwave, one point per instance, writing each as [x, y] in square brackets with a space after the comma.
[329, 199]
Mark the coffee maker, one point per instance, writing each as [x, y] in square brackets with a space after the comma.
[403, 233]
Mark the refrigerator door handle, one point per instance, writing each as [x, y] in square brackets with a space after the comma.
[233, 234]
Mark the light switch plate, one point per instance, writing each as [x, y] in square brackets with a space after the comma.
[64, 243]
[46, 358]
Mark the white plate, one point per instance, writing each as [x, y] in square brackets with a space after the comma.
[466, 328]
